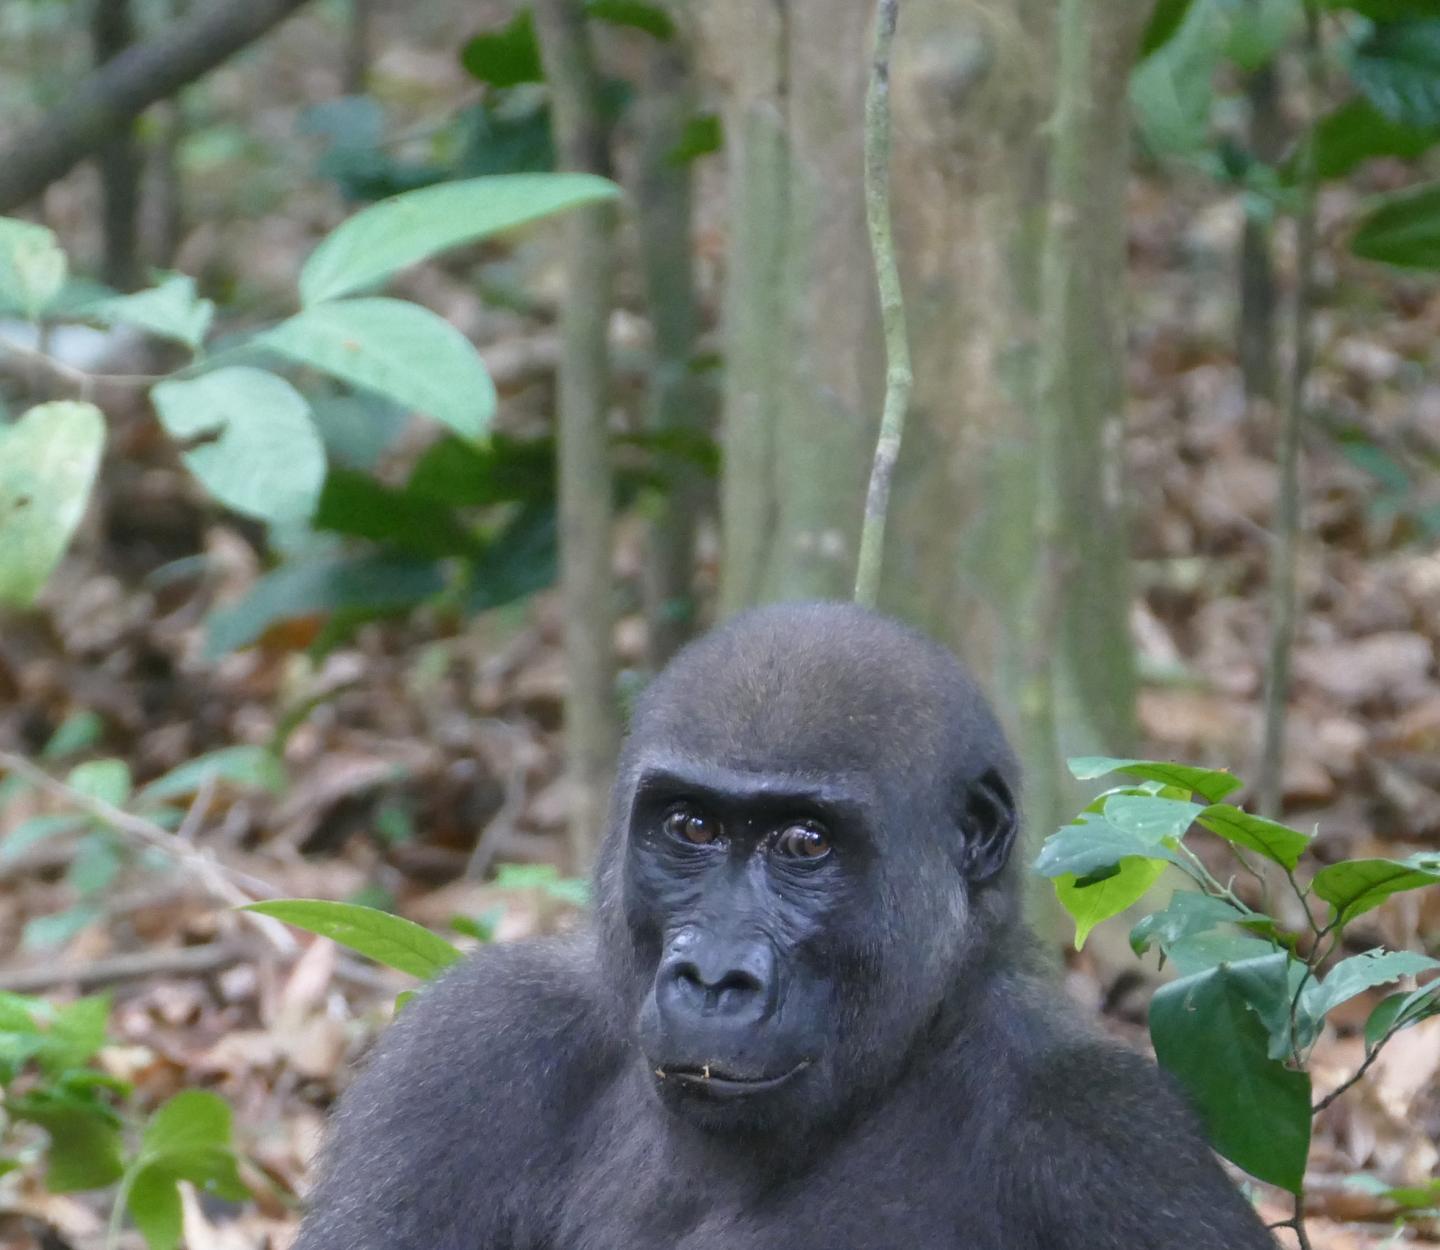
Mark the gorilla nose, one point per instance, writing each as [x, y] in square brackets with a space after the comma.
[729, 983]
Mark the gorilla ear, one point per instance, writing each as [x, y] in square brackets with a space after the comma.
[989, 823]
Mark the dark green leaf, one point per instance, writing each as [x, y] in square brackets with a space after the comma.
[84, 1144]
[650, 18]
[153, 1202]
[1402, 229]
[1256, 1111]
[387, 939]
[1400, 1011]
[1201, 951]
[1398, 69]
[378, 585]
[1164, 22]
[521, 559]
[1269, 984]
[699, 137]
[1357, 132]
[356, 504]
[1276, 842]
[500, 470]
[1211, 784]
[1355, 886]
[505, 57]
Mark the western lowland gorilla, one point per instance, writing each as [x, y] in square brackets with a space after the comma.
[803, 1014]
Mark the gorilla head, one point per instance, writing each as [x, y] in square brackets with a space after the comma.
[805, 859]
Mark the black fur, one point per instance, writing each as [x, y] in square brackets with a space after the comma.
[925, 1088]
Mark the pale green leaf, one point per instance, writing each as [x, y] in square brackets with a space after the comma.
[389, 940]
[32, 266]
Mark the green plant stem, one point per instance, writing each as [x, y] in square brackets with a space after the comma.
[899, 378]
[1287, 509]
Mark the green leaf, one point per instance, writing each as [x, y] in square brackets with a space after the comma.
[1211, 784]
[36, 830]
[356, 504]
[1201, 951]
[96, 864]
[1398, 70]
[1255, 1110]
[1187, 913]
[106, 780]
[1356, 132]
[1167, 19]
[700, 136]
[507, 57]
[1355, 886]
[1171, 89]
[153, 1202]
[377, 584]
[1400, 1011]
[398, 349]
[75, 1034]
[78, 732]
[48, 461]
[54, 930]
[250, 766]
[170, 311]
[409, 228]
[1090, 904]
[650, 18]
[1150, 816]
[1093, 845]
[1402, 229]
[1275, 841]
[1269, 983]
[255, 448]
[387, 939]
[1258, 29]
[84, 1145]
[32, 266]
[1362, 972]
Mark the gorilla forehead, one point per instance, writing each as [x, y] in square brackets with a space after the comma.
[822, 688]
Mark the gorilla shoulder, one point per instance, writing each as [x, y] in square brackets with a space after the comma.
[474, 1089]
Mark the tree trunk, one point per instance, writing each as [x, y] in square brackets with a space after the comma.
[121, 163]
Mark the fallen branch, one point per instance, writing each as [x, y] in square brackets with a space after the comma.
[90, 974]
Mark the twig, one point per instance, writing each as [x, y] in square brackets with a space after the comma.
[186, 961]
[223, 884]
[898, 375]
[43, 373]
[1287, 509]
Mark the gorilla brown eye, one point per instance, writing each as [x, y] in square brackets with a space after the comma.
[803, 842]
[692, 825]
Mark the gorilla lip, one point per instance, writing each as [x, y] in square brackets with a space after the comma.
[723, 1085]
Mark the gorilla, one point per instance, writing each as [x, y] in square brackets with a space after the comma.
[802, 1016]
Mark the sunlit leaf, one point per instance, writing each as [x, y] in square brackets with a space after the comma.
[1211, 784]
[1269, 838]
[390, 940]
[32, 266]
[1090, 904]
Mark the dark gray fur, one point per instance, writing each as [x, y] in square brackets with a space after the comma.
[952, 1102]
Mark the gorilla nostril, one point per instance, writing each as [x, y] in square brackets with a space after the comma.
[683, 984]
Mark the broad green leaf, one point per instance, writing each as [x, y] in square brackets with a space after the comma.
[1090, 846]
[240, 765]
[1356, 132]
[1275, 841]
[1187, 913]
[398, 349]
[1258, 29]
[32, 266]
[387, 939]
[56, 928]
[96, 864]
[1269, 983]
[1211, 784]
[171, 310]
[1201, 951]
[1400, 1011]
[1164, 23]
[106, 780]
[48, 461]
[75, 1034]
[506, 57]
[184, 1129]
[1355, 886]
[84, 1145]
[1255, 1110]
[408, 228]
[1088, 905]
[1151, 817]
[36, 830]
[356, 504]
[1398, 69]
[152, 1200]
[254, 446]
[1402, 229]
[1362, 972]
[375, 584]
[1171, 89]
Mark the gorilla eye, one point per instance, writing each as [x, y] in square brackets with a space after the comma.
[692, 825]
[803, 841]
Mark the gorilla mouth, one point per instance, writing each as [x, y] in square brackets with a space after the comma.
[721, 1084]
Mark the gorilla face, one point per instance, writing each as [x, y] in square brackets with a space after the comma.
[786, 896]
